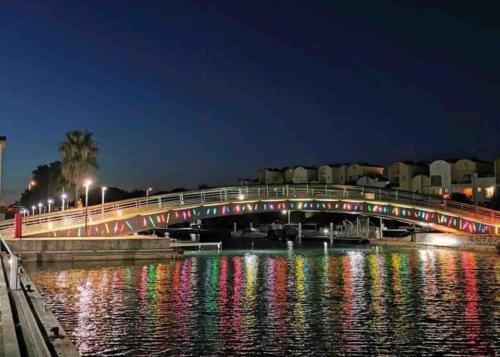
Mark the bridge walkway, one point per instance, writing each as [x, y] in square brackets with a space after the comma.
[144, 206]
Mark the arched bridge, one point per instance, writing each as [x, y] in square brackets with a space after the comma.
[135, 215]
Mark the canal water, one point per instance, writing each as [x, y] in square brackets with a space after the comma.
[351, 301]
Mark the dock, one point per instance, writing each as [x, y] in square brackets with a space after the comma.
[199, 245]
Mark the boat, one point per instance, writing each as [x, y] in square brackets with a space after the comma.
[248, 233]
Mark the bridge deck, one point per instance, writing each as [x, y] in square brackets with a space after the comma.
[446, 215]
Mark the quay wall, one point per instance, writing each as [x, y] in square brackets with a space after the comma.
[482, 243]
[92, 248]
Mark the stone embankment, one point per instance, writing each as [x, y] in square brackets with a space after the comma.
[489, 243]
[92, 248]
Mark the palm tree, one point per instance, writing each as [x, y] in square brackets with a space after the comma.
[79, 157]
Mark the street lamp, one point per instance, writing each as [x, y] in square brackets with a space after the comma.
[87, 184]
[50, 201]
[64, 196]
[33, 210]
[40, 205]
[103, 193]
[149, 189]
[287, 213]
[31, 184]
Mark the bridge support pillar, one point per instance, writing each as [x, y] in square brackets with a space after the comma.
[299, 235]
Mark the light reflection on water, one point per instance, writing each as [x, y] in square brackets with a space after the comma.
[351, 301]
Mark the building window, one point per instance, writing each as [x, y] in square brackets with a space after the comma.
[489, 192]
[435, 180]
[479, 189]
[468, 192]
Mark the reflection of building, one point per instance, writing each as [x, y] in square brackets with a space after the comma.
[3, 141]
[402, 173]
[473, 178]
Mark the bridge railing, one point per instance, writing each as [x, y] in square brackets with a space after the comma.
[121, 209]
[13, 278]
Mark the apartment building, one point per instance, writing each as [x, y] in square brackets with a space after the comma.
[401, 174]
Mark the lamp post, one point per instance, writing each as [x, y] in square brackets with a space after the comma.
[87, 184]
[103, 193]
[33, 210]
[64, 196]
[148, 190]
[287, 213]
[50, 201]
[40, 205]
[31, 184]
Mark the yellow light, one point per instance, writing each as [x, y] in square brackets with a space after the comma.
[443, 239]
[119, 212]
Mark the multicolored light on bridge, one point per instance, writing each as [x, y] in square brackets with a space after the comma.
[409, 214]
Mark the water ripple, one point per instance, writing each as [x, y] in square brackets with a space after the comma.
[349, 302]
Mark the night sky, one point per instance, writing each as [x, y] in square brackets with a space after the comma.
[183, 93]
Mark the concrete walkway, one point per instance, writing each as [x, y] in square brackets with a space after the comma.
[9, 345]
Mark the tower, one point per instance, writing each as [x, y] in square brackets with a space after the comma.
[3, 141]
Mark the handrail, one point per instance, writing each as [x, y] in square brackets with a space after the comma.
[9, 251]
[13, 278]
[113, 210]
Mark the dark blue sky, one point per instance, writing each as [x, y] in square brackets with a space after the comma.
[183, 93]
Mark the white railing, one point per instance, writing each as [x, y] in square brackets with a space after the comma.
[44, 223]
[14, 262]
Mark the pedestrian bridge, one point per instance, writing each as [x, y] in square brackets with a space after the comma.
[146, 213]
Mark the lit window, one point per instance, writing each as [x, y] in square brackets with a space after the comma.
[489, 192]
[479, 189]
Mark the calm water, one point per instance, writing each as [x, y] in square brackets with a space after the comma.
[341, 302]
